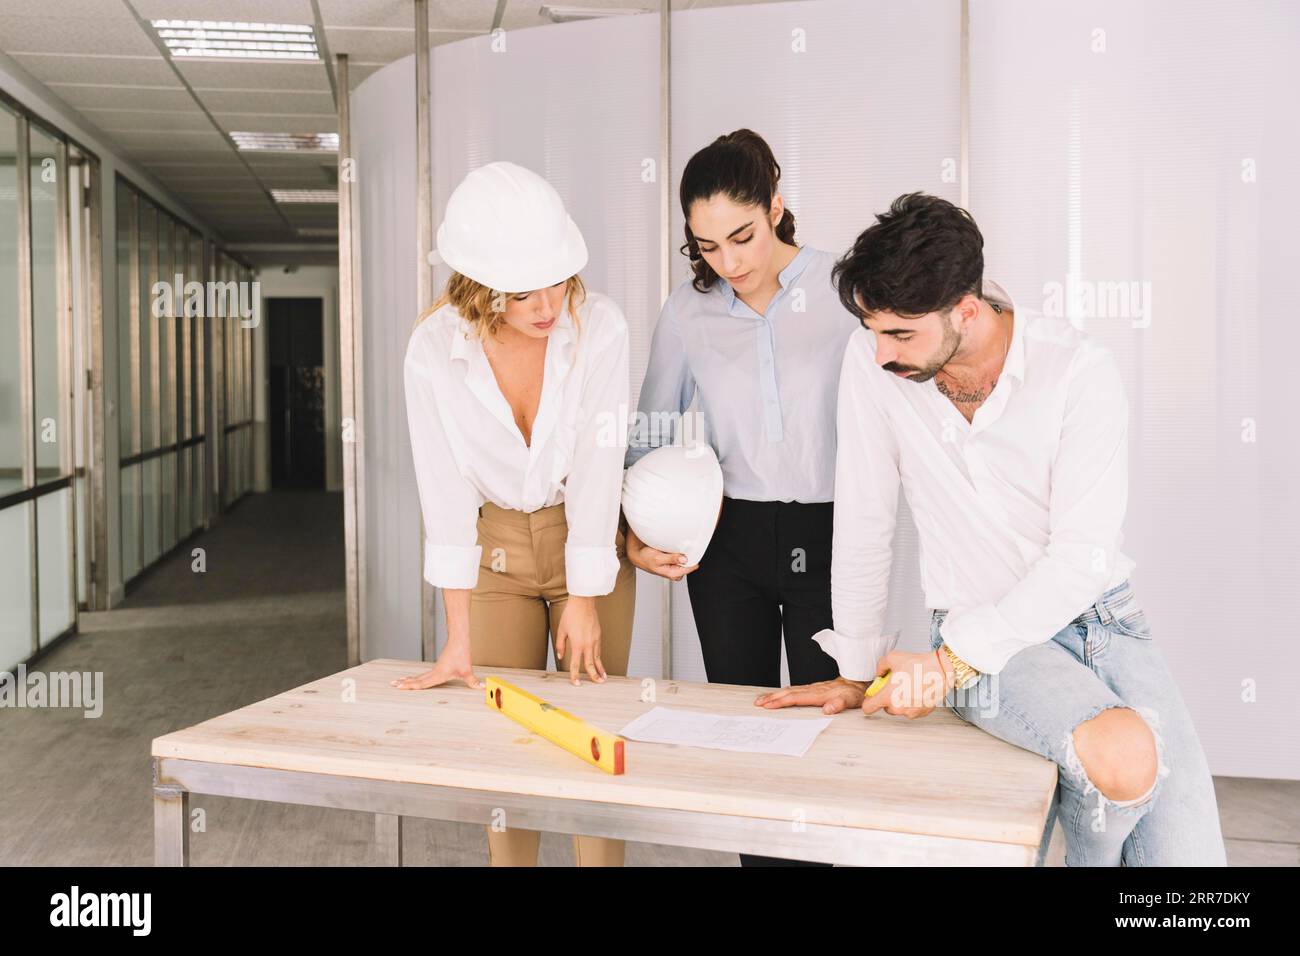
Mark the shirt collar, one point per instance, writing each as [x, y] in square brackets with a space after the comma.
[786, 276]
[1015, 360]
[465, 343]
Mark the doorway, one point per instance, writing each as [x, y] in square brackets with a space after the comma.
[296, 397]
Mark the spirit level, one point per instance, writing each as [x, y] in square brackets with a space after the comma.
[596, 746]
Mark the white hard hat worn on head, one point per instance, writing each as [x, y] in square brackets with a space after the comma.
[672, 497]
[506, 228]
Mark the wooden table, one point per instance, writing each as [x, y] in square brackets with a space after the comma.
[871, 791]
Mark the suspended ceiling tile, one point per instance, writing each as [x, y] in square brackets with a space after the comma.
[257, 11]
[237, 209]
[267, 101]
[277, 123]
[101, 37]
[246, 195]
[234, 192]
[183, 180]
[185, 166]
[276, 259]
[212, 202]
[263, 231]
[311, 210]
[163, 155]
[235, 234]
[376, 46]
[176, 139]
[251, 75]
[85, 10]
[104, 71]
[357, 72]
[264, 161]
[323, 219]
[193, 187]
[118, 121]
[309, 177]
[90, 96]
[443, 14]
[253, 226]
[244, 215]
[248, 218]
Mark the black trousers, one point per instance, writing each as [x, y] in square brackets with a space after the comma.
[767, 571]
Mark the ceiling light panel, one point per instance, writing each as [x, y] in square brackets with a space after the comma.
[237, 40]
[287, 142]
[305, 195]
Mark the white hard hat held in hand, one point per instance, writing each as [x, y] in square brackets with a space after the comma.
[506, 228]
[672, 497]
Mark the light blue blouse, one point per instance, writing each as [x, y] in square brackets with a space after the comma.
[767, 383]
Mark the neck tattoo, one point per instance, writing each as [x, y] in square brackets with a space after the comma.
[974, 395]
[960, 396]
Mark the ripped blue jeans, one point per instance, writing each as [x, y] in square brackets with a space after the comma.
[1104, 658]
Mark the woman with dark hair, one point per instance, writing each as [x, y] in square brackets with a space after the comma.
[758, 335]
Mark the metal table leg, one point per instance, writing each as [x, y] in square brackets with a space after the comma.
[171, 830]
[388, 838]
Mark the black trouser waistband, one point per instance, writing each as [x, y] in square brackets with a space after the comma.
[748, 504]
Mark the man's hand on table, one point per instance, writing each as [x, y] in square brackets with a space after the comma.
[832, 696]
[917, 685]
[452, 664]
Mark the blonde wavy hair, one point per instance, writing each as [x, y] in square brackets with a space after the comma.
[475, 302]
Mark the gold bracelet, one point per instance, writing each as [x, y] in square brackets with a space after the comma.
[966, 675]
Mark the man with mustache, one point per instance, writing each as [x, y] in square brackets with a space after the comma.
[1008, 432]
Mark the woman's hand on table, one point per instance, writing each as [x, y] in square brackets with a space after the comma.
[452, 664]
[579, 634]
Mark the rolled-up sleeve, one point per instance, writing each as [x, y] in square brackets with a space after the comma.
[666, 392]
[594, 485]
[866, 511]
[1088, 499]
[448, 503]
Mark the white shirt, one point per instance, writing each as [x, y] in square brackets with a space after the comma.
[1019, 511]
[468, 449]
[767, 383]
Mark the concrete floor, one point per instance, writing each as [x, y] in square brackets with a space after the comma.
[267, 615]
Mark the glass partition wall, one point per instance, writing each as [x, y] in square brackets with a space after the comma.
[182, 347]
[181, 384]
[40, 202]
[237, 342]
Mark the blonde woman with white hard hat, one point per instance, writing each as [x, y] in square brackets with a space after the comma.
[516, 396]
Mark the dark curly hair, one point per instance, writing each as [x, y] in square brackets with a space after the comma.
[740, 165]
[920, 257]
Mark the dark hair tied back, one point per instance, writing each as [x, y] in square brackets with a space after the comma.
[740, 166]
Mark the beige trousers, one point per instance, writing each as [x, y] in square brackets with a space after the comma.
[514, 614]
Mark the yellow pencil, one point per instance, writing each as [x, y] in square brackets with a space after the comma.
[878, 684]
